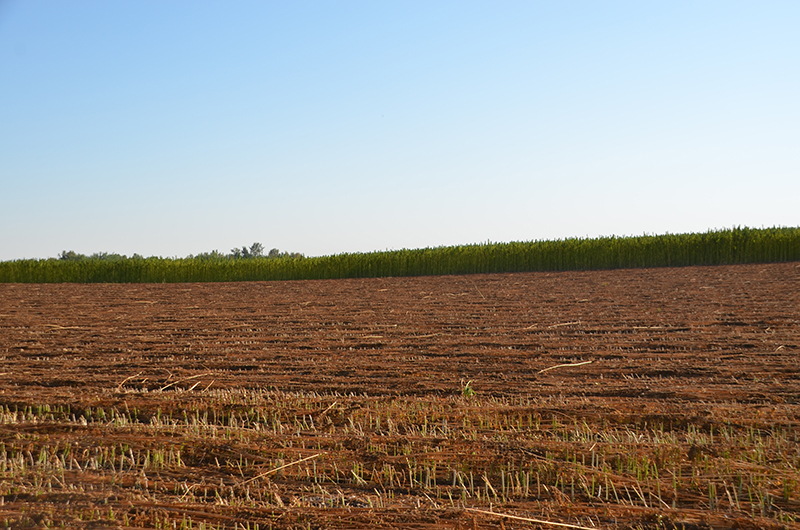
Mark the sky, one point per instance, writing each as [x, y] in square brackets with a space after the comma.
[323, 127]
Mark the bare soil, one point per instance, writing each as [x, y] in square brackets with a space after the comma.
[415, 402]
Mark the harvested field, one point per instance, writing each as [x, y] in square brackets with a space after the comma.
[646, 398]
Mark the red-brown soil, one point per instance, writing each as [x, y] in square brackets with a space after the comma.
[414, 401]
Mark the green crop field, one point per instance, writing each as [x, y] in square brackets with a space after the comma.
[721, 247]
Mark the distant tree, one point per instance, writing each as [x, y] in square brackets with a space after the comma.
[213, 255]
[106, 256]
[256, 250]
[275, 254]
[70, 255]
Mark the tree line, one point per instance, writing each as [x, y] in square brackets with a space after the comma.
[256, 250]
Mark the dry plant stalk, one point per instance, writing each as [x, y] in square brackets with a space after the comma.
[528, 519]
[271, 471]
[329, 408]
[183, 380]
[119, 386]
[573, 323]
[563, 366]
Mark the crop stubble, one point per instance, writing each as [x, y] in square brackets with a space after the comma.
[692, 390]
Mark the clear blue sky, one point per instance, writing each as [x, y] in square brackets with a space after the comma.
[173, 128]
